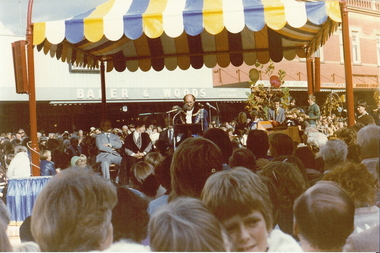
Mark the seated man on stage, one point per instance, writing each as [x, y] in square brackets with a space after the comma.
[107, 144]
[277, 114]
[137, 145]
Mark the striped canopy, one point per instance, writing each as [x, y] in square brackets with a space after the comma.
[155, 34]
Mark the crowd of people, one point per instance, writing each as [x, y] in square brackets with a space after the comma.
[216, 187]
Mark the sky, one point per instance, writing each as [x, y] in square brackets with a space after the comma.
[13, 12]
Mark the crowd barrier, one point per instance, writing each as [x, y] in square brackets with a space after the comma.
[21, 195]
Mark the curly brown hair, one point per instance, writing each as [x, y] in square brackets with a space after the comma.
[356, 180]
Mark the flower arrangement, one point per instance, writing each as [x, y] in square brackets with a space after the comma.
[260, 98]
[332, 104]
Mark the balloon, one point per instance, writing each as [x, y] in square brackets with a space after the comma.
[254, 75]
[275, 81]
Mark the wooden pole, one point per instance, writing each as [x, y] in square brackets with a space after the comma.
[347, 64]
[32, 94]
[103, 85]
[309, 69]
[317, 67]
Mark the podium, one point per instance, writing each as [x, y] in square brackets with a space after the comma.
[193, 129]
[183, 131]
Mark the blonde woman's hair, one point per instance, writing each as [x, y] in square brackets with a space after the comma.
[186, 225]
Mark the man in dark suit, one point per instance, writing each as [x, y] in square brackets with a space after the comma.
[137, 145]
[107, 144]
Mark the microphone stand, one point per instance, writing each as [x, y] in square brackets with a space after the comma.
[174, 131]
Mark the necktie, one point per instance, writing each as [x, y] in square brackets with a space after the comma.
[108, 137]
[138, 141]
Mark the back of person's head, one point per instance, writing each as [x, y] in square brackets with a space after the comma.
[324, 217]
[243, 157]
[26, 231]
[357, 126]
[334, 152]
[73, 212]
[221, 139]
[280, 144]
[306, 156]
[296, 162]
[193, 162]
[348, 135]
[19, 149]
[154, 158]
[288, 180]
[258, 143]
[186, 225]
[141, 170]
[163, 147]
[316, 140]
[356, 180]
[368, 141]
[163, 173]
[130, 216]
[5, 245]
[27, 247]
[44, 154]
[237, 192]
[143, 178]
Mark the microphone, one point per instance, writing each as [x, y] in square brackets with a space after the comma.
[199, 104]
[209, 105]
[175, 109]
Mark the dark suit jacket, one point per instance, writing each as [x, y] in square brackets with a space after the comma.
[131, 147]
[164, 136]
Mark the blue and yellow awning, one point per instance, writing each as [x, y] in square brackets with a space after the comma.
[155, 34]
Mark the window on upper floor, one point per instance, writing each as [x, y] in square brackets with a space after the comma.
[355, 42]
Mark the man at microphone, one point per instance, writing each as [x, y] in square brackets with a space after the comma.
[194, 113]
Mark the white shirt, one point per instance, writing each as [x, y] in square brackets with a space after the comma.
[189, 115]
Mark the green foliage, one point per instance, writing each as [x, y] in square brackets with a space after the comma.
[260, 98]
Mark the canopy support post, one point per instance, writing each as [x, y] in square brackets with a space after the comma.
[309, 71]
[103, 85]
[32, 94]
[317, 67]
[347, 63]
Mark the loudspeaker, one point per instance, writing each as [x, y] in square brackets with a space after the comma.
[19, 64]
